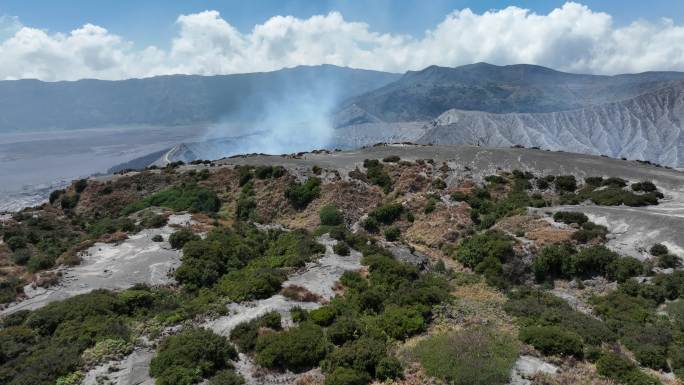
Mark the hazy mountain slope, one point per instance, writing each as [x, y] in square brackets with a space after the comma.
[170, 100]
[424, 95]
[649, 126]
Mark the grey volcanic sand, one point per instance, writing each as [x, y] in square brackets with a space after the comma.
[633, 230]
[482, 161]
[319, 277]
[112, 266]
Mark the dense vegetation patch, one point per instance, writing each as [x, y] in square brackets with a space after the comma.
[377, 175]
[190, 356]
[301, 194]
[564, 261]
[187, 197]
[245, 259]
[474, 356]
[38, 347]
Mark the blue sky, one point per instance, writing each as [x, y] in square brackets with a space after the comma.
[153, 21]
[108, 39]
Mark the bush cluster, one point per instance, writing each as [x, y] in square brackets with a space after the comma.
[552, 340]
[301, 194]
[179, 238]
[564, 261]
[475, 356]
[190, 197]
[190, 356]
[244, 335]
[330, 215]
[376, 174]
[487, 253]
[570, 217]
[258, 253]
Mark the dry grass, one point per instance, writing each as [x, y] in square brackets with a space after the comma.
[299, 293]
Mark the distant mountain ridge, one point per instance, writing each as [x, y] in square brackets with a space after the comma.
[636, 116]
[424, 95]
[172, 100]
[649, 126]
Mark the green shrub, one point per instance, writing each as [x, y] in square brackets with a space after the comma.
[534, 307]
[474, 250]
[179, 238]
[376, 174]
[614, 196]
[153, 221]
[392, 233]
[439, 184]
[106, 350]
[347, 376]
[297, 349]
[621, 369]
[623, 268]
[299, 315]
[401, 322]
[190, 197]
[387, 213]
[344, 329]
[190, 356]
[80, 185]
[614, 182]
[341, 248]
[323, 316]
[459, 358]
[69, 201]
[16, 242]
[371, 225]
[669, 261]
[391, 159]
[594, 181]
[566, 183]
[430, 205]
[301, 194]
[250, 284]
[552, 340]
[244, 174]
[569, 217]
[39, 262]
[596, 260]
[226, 377]
[245, 334]
[645, 186]
[10, 287]
[330, 215]
[74, 378]
[263, 172]
[246, 204]
[589, 232]
[658, 249]
[553, 261]
[363, 355]
[54, 195]
[157, 238]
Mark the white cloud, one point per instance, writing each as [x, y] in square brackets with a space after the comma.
[572, 37]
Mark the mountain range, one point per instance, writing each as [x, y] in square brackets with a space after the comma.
[635, 116]
[27, 105]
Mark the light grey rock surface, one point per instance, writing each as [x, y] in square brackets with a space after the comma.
[138, 259]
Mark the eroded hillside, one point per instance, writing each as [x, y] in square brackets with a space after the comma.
[394, 263]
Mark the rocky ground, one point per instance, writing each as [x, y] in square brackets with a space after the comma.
[427, 239]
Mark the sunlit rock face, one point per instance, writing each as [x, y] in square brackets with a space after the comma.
[647, 127]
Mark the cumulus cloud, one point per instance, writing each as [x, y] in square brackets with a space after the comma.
[571, 38]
